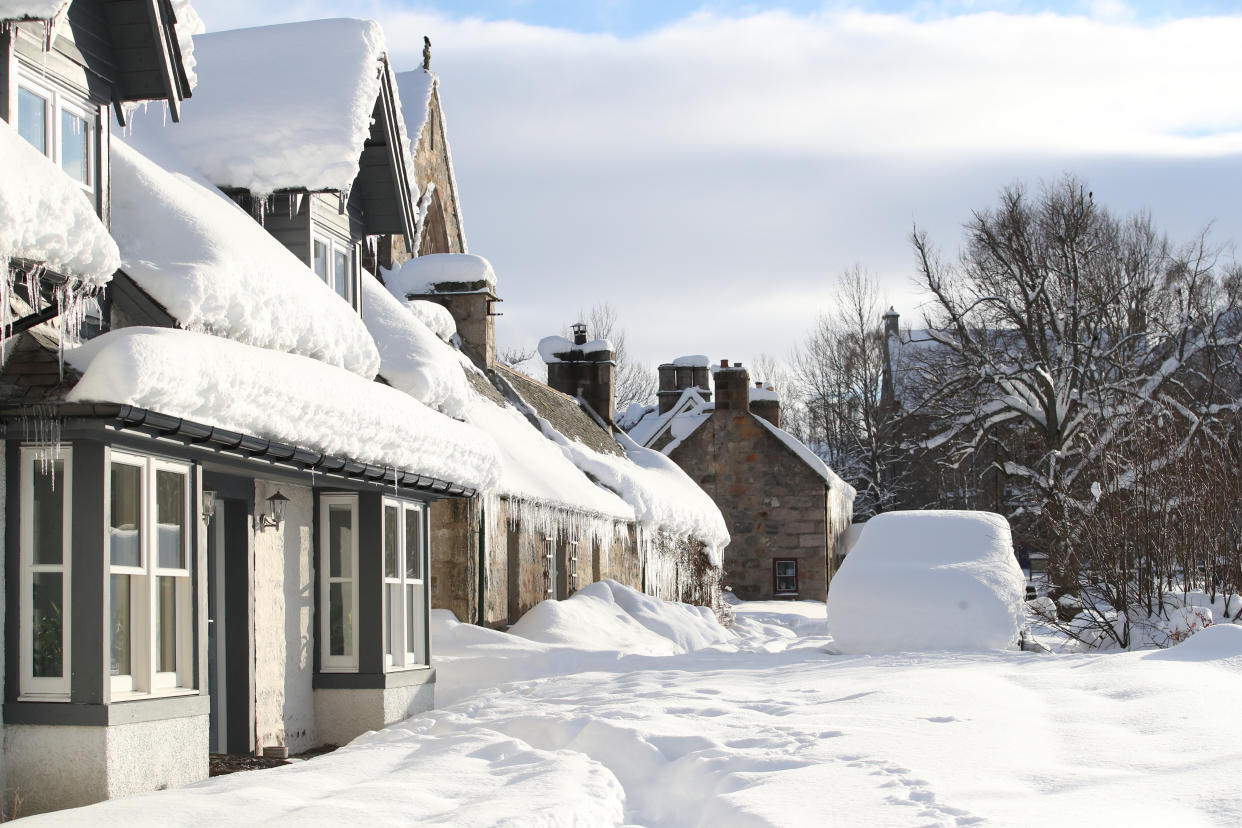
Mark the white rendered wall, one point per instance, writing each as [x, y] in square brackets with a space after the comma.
[61, 766]
[344, 715]
[284, 604]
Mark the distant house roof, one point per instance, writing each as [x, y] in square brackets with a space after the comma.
[563, 413]
[301, 106]
[215, 269]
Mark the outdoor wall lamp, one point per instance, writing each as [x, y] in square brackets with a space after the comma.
[276, 511]
[209, 504]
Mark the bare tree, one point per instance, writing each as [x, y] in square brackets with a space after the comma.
[635, 382]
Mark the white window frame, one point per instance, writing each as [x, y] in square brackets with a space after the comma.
[329, 663]
[60, 100]
[45, 688]
[144, 679]
[335, 244]
[398, 616]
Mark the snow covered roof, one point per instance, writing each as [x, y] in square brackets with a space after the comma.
[287, 106]
[31, 9]
[441, 273]
[45, 216]
[690, 406]
[215, 269]
[553, 348]
[766, 393]
[280, 396]
[416, 88]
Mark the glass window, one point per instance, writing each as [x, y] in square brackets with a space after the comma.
[32, 118]
[339, 596]
[45, 575]
[343, 275]
[75, 146]
[151, 614]
[786, 576]
[404, 646]
[320, 261]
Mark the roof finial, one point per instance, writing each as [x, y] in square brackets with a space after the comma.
[426, 53]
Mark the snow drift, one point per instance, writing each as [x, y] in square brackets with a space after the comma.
[933, 580]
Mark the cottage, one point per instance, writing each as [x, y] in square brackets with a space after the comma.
[787, 512]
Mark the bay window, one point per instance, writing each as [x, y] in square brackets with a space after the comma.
[149, 567]
[404, 565]
[45, 573]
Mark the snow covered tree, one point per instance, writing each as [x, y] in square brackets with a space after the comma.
[1057, 330]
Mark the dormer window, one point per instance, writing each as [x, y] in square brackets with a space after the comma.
[335, 260]
[59, 124]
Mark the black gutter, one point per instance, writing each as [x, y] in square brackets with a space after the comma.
[258, 448]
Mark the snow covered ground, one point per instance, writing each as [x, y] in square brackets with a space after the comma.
[687, 724]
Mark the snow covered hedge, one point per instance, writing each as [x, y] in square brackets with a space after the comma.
[930, 580]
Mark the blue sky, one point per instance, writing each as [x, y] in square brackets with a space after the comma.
[631, 18]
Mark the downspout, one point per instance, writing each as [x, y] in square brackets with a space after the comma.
[482, 564]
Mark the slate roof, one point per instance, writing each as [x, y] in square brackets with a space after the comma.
[563, 411]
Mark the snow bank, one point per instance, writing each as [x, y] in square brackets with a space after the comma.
[280, 107]
[662, 495]
[216, 270]
[280, 397]
[1219, 643]
[463, 272]
[931, 580]
[46, 217]
[550, 347]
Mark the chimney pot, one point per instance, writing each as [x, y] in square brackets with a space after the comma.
[724, 363]
[737, 365]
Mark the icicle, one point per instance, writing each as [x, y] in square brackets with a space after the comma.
[41, 427]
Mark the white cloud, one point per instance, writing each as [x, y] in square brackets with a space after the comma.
[683, 172]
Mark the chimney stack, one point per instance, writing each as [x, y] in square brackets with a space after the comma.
[732, 387]
[582, 369]
[469, 295]
[765, 403]
[680, 374]
[891, 318]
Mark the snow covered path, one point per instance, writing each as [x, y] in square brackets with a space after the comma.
[772, 730]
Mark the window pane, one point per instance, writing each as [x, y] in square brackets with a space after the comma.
[321, 261]
[47, 625]
[413, 544]
[122, 586]
[410, 640]
[340, 542]
[32, 118]
[167, 624]
[340, 619]
[391, 570]
[75, 136]
[343, 278]
[170, 490]
[392, 625]
[49, 482]
[125, 529]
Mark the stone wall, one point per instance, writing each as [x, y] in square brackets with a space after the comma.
[431, 165]
[775, 506]
[454, 556]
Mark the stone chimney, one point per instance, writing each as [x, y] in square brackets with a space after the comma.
[765, 403]
[732, 387]
[473, 306]
[680, 374]
[891, 318]
[582, 369]
[892, 336]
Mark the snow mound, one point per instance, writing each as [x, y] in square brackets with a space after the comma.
[552, 348]
[691, 361]
[264, 117]
[610, 616]
[44, 216]
[452, 272]
[435, 316]
[952, 574]
[216, 270]
[1219, 642]
[282, 397]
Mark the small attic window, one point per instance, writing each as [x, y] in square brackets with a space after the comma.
[59, 124]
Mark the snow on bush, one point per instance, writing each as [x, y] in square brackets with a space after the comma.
[933, 580]
[45, 218]
[420, 275]
[215, 269]
[1218, 642]
[282, 397]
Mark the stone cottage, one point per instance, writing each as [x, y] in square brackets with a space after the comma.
[786, 511]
